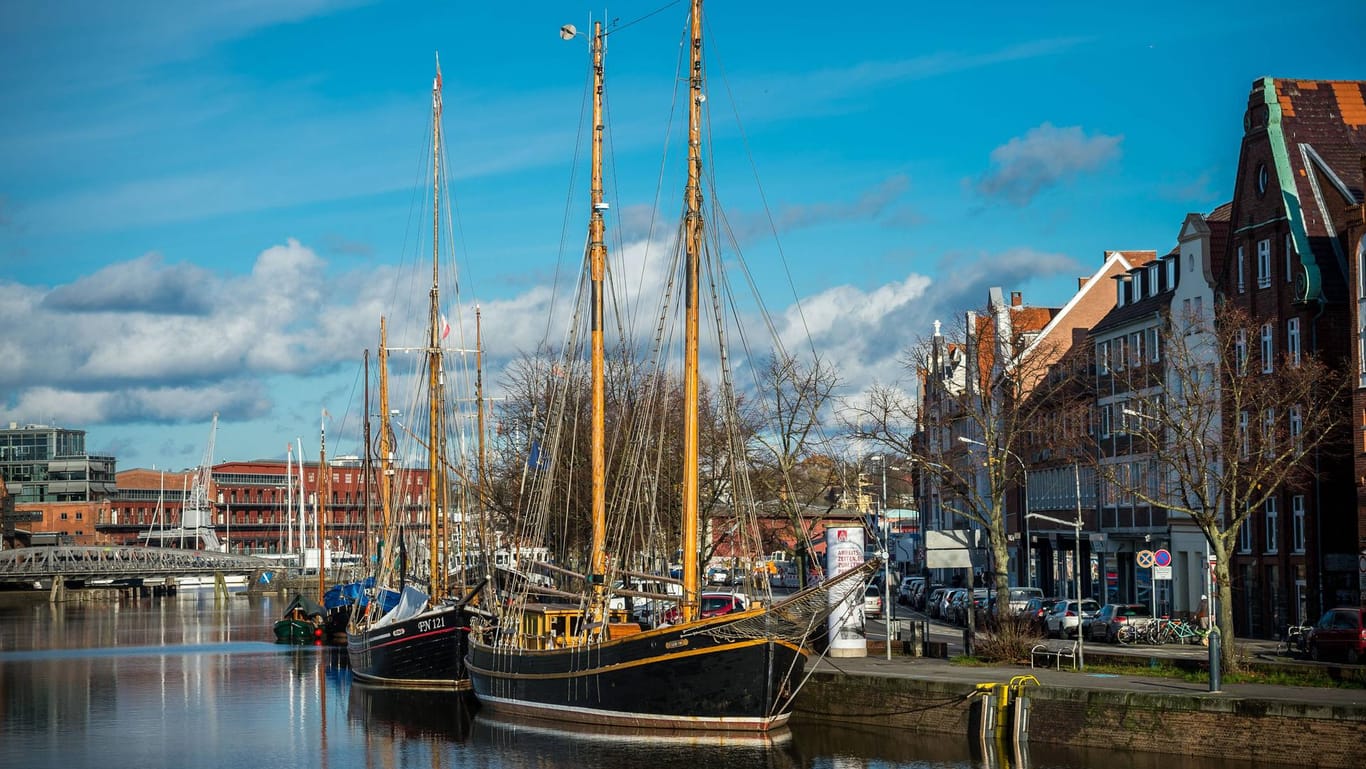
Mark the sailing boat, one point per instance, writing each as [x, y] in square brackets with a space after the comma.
[420, 642]
[196, 529]
[572, 655]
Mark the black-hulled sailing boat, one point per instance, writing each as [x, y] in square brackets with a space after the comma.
[421, 641]
[566, 655]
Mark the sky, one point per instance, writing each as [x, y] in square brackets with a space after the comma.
[205, 207]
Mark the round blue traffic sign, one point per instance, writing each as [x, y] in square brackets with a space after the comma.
[1162, 558]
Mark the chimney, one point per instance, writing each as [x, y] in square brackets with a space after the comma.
[1081, 282]
[1016, 298]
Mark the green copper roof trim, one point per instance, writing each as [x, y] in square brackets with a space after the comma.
[1308, 284]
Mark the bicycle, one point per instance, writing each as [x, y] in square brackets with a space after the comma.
[1183, 632]
[1294, 640]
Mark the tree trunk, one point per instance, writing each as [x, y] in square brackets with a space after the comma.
[1223, 613]
[1000, 559]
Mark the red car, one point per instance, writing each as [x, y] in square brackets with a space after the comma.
[1339, 633]
[713, 605]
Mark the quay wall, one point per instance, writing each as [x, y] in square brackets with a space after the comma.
[1261, 730]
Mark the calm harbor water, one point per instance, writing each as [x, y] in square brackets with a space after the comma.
[190, 682]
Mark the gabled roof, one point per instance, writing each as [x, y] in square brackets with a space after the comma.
[1317, 133]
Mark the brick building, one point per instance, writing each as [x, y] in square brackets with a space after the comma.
[1294, 263]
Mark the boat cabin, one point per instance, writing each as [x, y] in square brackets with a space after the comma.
[555, 626]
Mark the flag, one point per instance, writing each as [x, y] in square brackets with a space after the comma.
[537, 460]
[445, 327]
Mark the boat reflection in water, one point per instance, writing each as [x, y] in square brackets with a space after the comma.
[429, 714]
[525, 742]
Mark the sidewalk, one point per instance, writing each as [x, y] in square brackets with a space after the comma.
[921, 668]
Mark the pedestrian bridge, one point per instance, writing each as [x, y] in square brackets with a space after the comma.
[119, 563]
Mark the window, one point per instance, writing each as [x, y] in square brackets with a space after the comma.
[1272, 525]
[1152, 279]
[1245, 537]
[1292, 340]
[1297, 523]
[1186, 316]
[1296, 426]
[1289, 259]
[1240, 351]
[1121, 353]
[1243, 449]
[1103, 358]
[1136, 347]
[1199, 309]
[1268, 347]
[1155, 344]
[1264, 263]
[1106, 412]
[1242, 286]
[1269, 432]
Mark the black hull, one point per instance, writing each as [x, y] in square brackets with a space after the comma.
[658, 679]
[425, 651]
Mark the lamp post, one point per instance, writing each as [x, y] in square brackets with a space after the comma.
[1076, 525]
[886, 558]
[1214, 639]
[1024, 521]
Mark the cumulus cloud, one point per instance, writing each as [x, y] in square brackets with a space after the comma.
[1044, 156]
[145, 284]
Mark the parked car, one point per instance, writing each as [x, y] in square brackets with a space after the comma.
[920, 598]
[872, 601]
[1036, 609]
[1340, 632]
[1019, 598]
[934, 604]
[953, 605]
[1112, 617]
[713, 605]
[1063, 620]
[906, 589]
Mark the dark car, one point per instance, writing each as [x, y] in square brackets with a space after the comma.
[1339, 633]
[1112, 617]
[934, 604]
[1036, 609]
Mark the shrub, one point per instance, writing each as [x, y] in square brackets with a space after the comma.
[1006, 639]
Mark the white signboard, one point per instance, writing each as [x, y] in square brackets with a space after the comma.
[843, 552]
[949, 549]
[1162, 572]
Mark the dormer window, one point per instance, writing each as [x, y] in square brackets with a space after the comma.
[1152, 279]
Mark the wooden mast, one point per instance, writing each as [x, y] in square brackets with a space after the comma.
[368, 467]
[320, 509]
[597, 259]
[434, 471]
[386, 452]
[692, 239]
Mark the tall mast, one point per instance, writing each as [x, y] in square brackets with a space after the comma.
[481, 490]
[434, 470]
[386, 449]
[597, 262]
[320, 509]
[367, 468]
[692, 239]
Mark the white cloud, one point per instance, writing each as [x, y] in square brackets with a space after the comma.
[1044, 156]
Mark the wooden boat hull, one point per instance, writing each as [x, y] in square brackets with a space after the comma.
[679, 677]
[424, 651]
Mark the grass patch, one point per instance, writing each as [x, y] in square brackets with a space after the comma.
[1277, 676]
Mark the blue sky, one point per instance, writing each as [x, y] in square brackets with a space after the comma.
[203, 206]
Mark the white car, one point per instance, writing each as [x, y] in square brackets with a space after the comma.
[1062, 620]
[872, 601]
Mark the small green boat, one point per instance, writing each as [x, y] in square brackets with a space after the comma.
[302, 622]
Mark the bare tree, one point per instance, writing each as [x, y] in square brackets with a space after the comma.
[980, 393]
[1223, 429]
[793, 470]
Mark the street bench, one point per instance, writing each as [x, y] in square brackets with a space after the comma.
[1042, 656]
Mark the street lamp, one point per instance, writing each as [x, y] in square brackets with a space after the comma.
[1081, 655]
[1214, 639]
[1029, 572]
[886, 558]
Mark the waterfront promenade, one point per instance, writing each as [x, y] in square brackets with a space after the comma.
[1268, 723]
